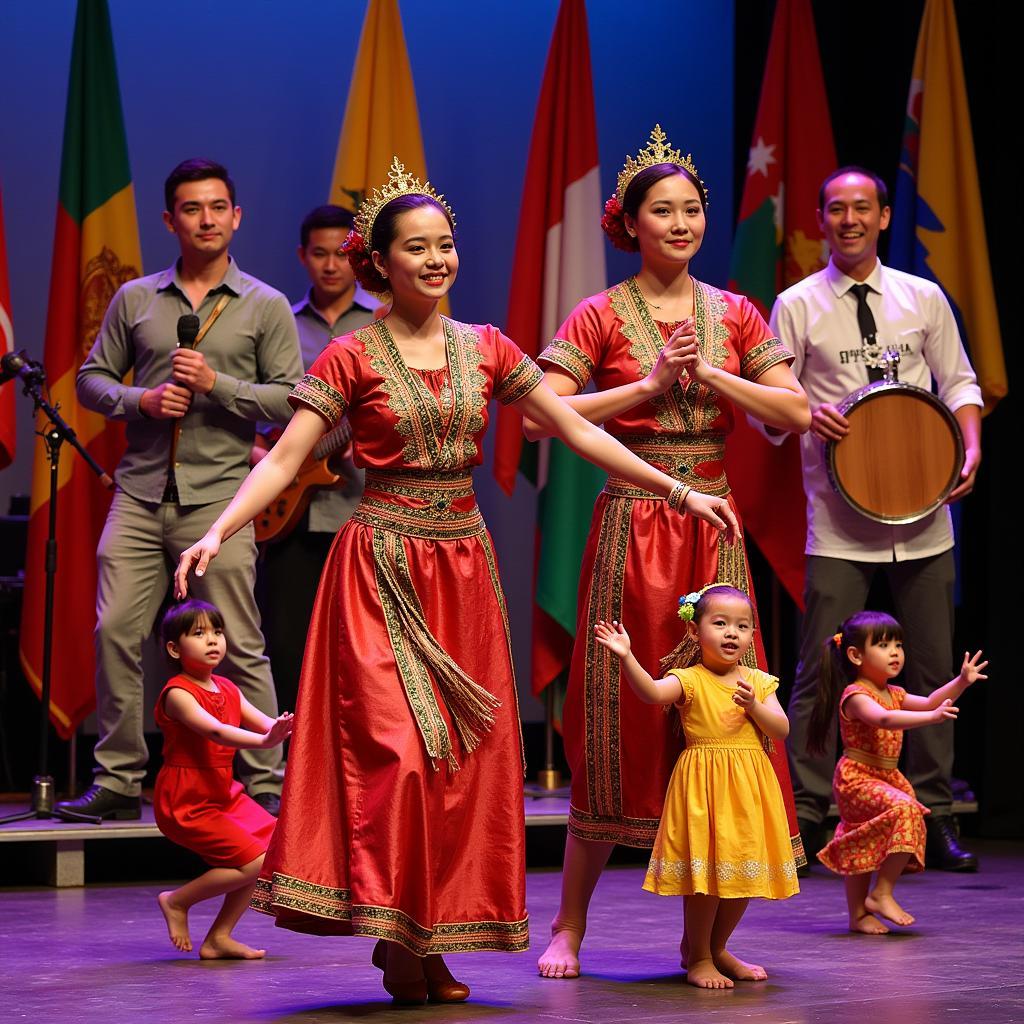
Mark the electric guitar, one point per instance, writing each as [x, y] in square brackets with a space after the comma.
[280, 517]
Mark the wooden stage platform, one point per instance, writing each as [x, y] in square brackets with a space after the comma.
[100, 955]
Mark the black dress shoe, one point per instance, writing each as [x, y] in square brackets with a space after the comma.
[943, 849]
[270, 802]
[812, 835]
[97, 802]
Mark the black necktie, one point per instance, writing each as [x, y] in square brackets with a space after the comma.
[866, 323]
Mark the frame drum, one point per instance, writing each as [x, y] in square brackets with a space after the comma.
[902, 456]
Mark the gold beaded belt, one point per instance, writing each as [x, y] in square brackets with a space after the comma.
[418, 503]
[678, 456]
[872, 760]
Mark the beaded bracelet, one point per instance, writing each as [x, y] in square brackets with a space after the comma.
[677, 498]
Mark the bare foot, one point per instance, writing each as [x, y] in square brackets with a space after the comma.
[704, 974]
[734, 967]
[177, 922]
[224, 947]
[684, 951]
[885, 905]
[561, 958]
[868, 924]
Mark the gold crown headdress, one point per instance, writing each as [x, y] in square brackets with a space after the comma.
[657, 151]
[400, 183]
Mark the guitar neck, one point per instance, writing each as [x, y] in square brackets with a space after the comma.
[333, 440]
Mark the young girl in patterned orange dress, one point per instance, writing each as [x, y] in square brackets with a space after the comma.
[881, 826]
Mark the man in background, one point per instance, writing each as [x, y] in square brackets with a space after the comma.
[837, 322]
[290, 568]
[191, 415]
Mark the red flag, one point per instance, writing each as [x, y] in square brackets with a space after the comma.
[8, 432]
[95, 251]
[559, 259]
[777, 243]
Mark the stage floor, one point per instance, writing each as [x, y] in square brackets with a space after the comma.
[101, 954]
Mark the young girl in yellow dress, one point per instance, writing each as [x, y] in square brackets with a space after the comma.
[723, 835]
[881, 826]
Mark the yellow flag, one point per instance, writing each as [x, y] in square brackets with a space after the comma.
[381, 119]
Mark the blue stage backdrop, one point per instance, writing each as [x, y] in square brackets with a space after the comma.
[261, 86]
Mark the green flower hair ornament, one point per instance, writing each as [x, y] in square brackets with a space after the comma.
[687, 604]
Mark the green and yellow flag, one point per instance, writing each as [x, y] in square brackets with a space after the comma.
[95, 251]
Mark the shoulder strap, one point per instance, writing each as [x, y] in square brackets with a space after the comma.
[212, 318]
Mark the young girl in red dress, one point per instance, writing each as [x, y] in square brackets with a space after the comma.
[881, 826]
[197, 802]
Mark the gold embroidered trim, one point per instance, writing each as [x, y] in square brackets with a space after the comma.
[285, 892]
[499, 594]
[636, 832]
[763, 357]
[700, 869]
[320, 397]
[525, 376]
[565, 355]
[436, 437]
[602, 678]
[434, 520]
[722, 744]
[678, 456]
[680, 410]
[733, 570]
[871, 760]
[420, 657]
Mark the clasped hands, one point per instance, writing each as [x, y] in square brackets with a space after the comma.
[192, 375]
[681, 355]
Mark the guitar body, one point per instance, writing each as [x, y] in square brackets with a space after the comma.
[280, 517]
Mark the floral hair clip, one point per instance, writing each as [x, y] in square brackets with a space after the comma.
[837, 639]
[687, 604]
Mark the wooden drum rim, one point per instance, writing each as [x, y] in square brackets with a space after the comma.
[873, 391]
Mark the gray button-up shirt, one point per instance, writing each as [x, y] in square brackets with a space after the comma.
[329, 509]
[253, 348]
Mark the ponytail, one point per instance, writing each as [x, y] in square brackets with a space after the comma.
[837, 671]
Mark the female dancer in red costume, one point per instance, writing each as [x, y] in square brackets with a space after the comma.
[393, 823]
[673, 360]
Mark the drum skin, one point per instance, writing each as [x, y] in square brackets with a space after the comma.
[902, 456]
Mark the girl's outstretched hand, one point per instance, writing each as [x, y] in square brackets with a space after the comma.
[613, 636]
[200, 555]
[743, 695]
[716, 511]
[279, 731]
[972, 670]
[944, 712]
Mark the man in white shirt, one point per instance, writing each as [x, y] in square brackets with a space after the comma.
[823, 320]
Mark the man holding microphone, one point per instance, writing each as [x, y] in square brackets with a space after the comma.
[198, 391]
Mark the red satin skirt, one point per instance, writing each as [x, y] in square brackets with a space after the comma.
[639, 559]
[376, 836]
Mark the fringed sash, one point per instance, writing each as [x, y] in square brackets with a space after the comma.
[417, 653]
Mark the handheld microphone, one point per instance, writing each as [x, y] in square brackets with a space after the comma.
[188, 329]
[18, 364]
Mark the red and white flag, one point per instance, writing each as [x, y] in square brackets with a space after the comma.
[7, 404]
[559, 260]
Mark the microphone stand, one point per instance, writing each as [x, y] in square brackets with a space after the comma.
[56, 433]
